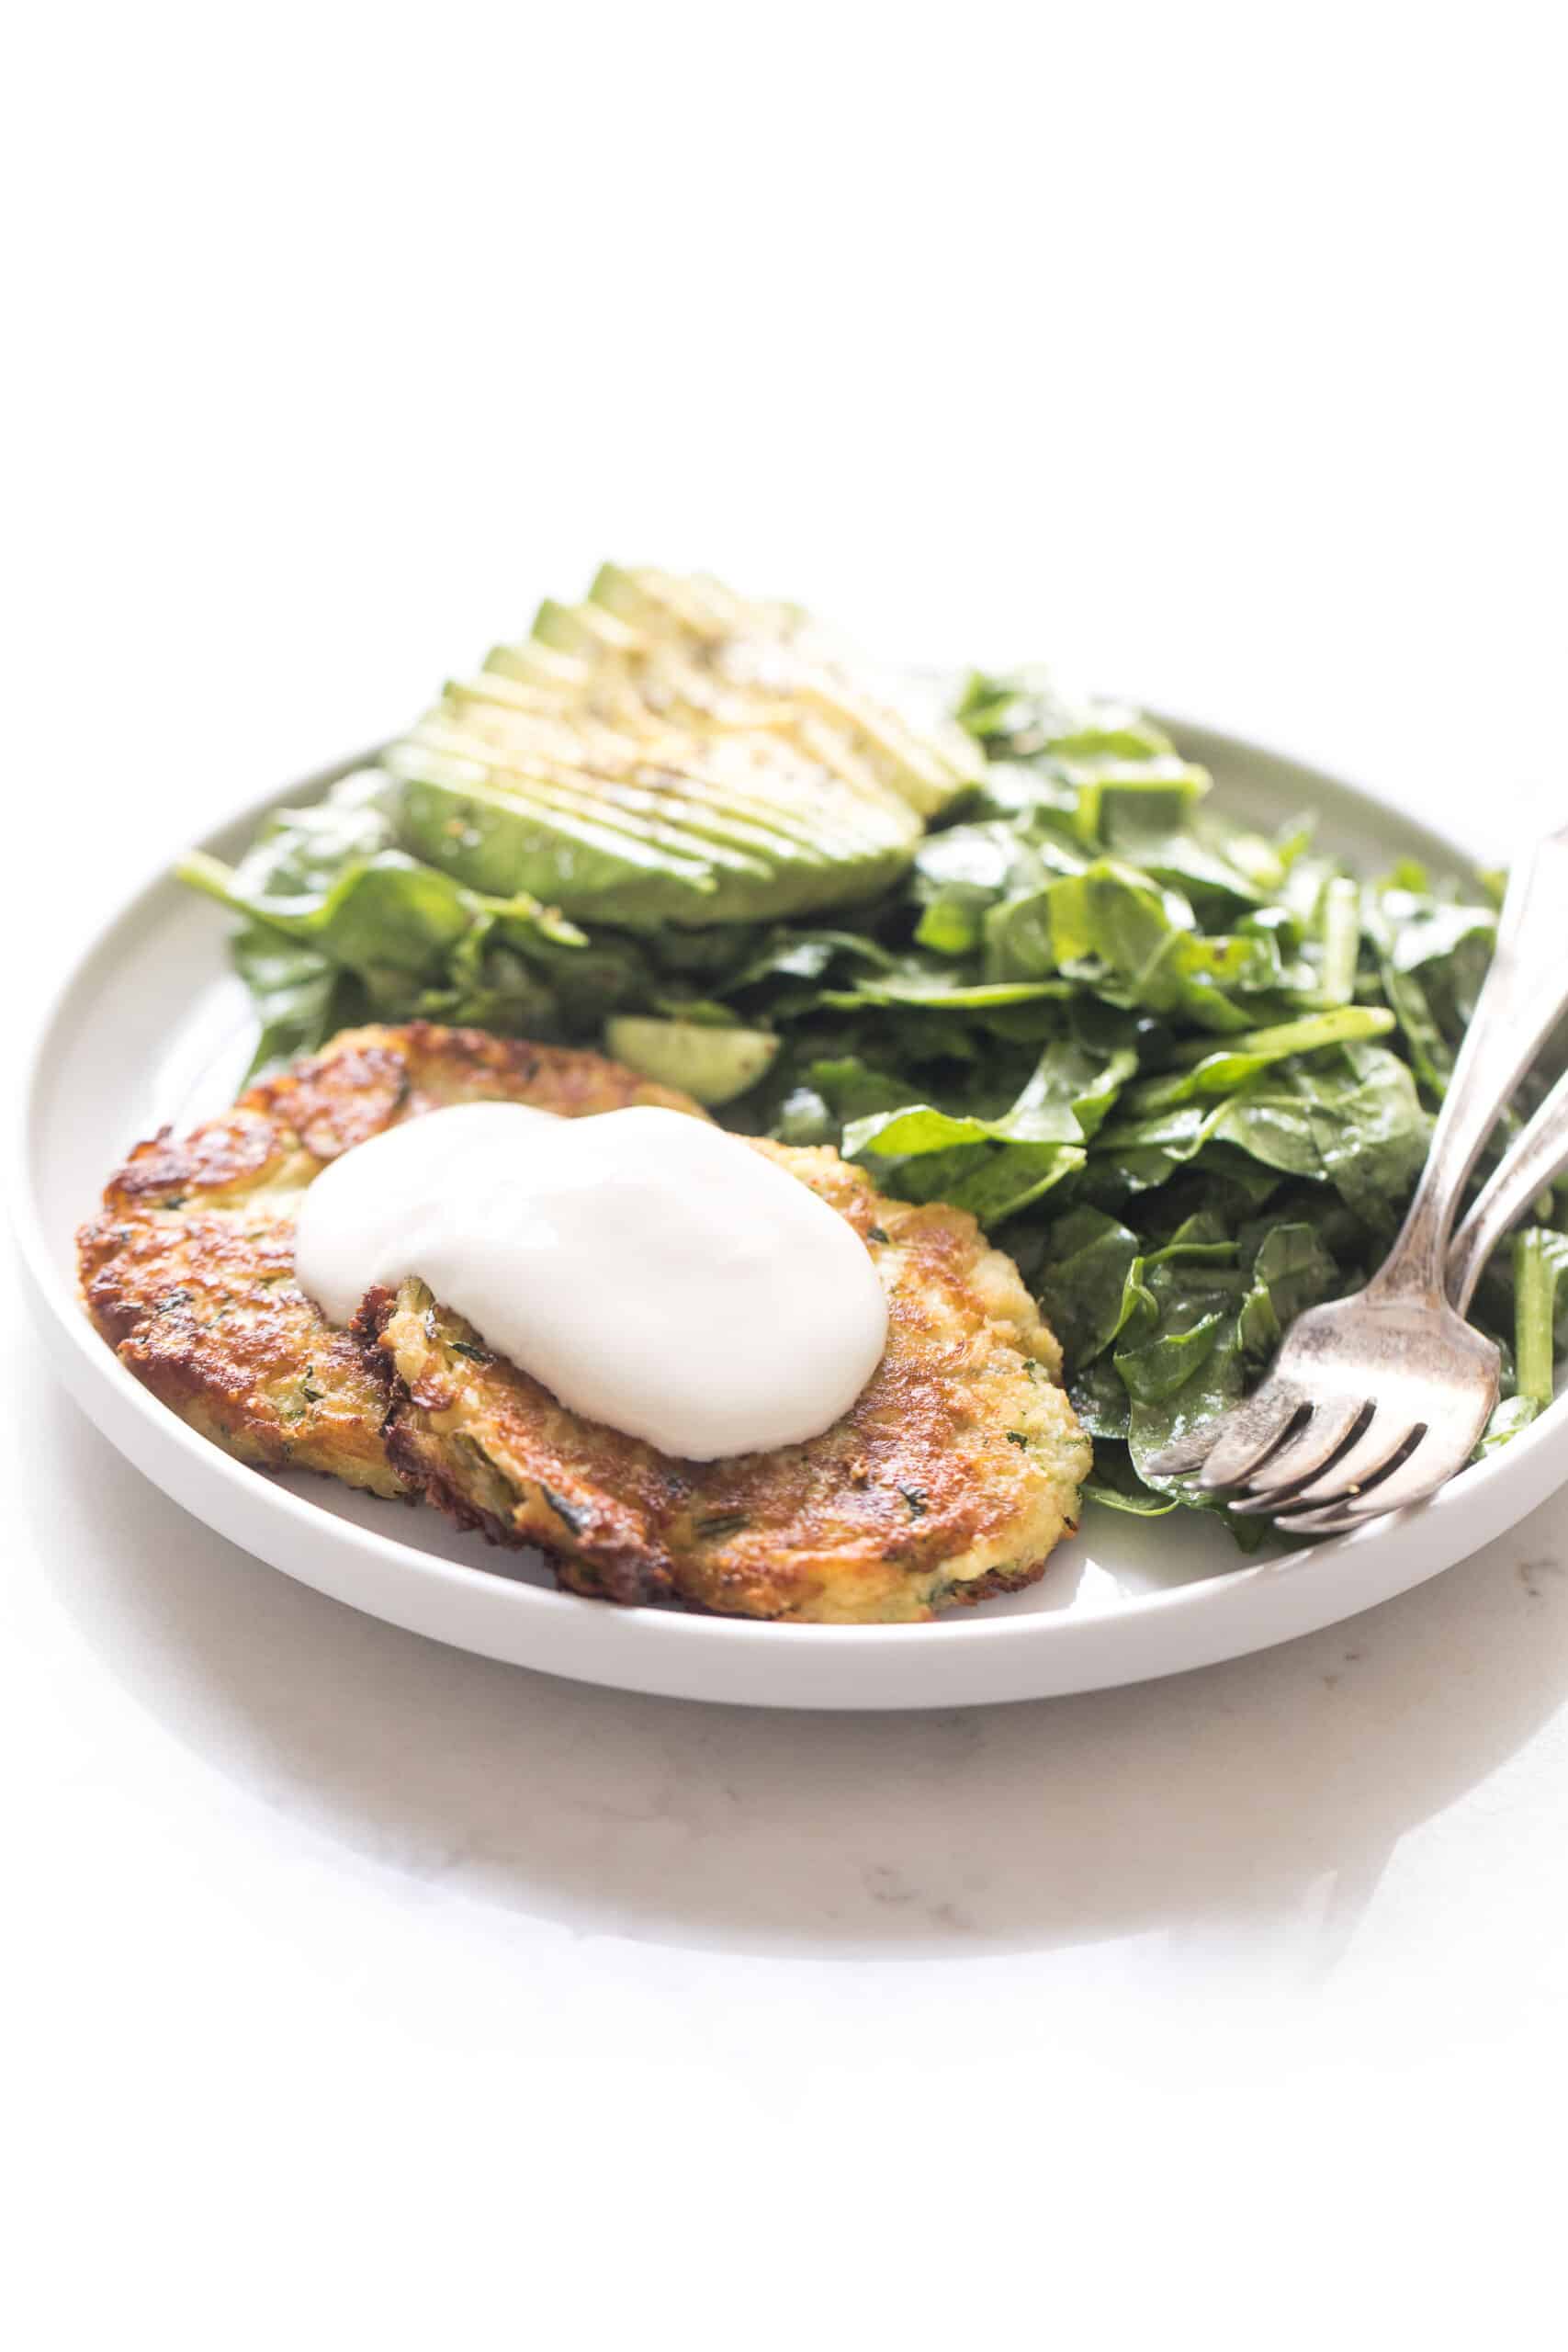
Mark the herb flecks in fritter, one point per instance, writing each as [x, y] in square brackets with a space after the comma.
[954, 1476]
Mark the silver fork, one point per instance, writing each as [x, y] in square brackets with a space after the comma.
[1533, 1161]
[1375, 1400]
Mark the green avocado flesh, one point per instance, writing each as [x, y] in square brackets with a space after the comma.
[713, 1065]
[668, 751]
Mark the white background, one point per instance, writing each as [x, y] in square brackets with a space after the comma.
[364, 1992]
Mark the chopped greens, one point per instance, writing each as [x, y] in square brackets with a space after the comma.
[342, 926]
[1183, 1070]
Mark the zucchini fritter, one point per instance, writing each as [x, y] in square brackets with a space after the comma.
[189, 1270]
[951, 1476]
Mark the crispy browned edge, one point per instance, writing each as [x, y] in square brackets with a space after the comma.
[194, 1230]
[618, 1569]
[188, 1269]
[951, 1479]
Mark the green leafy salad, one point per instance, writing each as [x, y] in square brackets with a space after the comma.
[1007, 953]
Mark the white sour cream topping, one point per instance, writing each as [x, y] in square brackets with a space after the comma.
[652, 1270]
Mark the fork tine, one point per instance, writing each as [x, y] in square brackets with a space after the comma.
[1380, 1449]
[1335, 1423]
[1333, 1520]
[1248, 1435]
[1186, 1455]
[1427, 1467]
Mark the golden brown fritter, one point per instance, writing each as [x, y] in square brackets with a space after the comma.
[189, 1270]
[951, 1476]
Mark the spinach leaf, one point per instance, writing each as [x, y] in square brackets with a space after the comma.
[340, 926]
[1083, 1284]
[996, 1167]
[1114, 1482]
[1221, 1070]
[1290, 1270]
[300, 998]
[962, 872]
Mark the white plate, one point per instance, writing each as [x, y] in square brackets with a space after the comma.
[151, 1028]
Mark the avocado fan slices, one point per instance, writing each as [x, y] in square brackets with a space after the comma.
[669, 752]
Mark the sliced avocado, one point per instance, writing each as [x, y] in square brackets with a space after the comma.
[585, 629]
[656, 603]
[610, 802]
[715, 1065]
[766, 784]
[927, 764]
[503, 835]
[667, 712]
[665, 687]
[491, 840]
[926, 780]
[534, 663]
[683, 802]
[668, 751]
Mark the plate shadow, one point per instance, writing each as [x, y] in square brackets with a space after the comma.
[1217, 1800]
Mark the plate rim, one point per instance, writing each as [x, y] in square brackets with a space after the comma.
[966, 1659]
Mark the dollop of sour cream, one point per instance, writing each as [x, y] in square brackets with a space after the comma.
[654, 1272]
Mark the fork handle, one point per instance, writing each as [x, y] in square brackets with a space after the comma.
[1535, 1159]
[1524, 997]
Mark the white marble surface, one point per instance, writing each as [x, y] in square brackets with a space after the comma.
[362, 1991]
